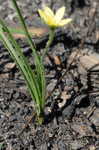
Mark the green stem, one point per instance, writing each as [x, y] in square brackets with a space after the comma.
[48, 44]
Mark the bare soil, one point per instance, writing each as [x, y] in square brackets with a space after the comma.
[72, 74]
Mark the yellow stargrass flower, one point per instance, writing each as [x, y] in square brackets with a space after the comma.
[54, 20]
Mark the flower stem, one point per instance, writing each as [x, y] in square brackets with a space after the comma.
[50, 40]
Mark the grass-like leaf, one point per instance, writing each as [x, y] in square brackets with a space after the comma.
[38, 61]
[35, 80]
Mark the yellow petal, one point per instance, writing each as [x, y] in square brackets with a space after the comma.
[48, 11]
[50, 22]
[64, 22]
[47, 18]
[42, 15]
[59, 14]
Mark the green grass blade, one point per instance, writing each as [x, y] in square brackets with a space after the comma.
[17, 54]
[24, 27]
[41, 79]
[35, 81]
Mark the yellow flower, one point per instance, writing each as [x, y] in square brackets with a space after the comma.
[54, 20]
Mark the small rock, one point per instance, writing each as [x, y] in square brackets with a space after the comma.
[95, 119]
[51, 85]
[97, 102]
[76, 145]
[47, 110]
[55, 147]
[1, 99]
[61, 145]
[92, 147]
[68, 111]
[50, 135]
[4, 75]
[82, 129]
[43, 146]
[65, 97]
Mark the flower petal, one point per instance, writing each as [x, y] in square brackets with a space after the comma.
[59, 14]
[64, 22]
[47, 18]
[42, 14]
[51, 22]
[48, 11]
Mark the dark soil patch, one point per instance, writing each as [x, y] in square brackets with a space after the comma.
[71, 113]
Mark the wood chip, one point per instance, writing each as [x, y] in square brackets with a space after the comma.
[57, 60]
[10, 65]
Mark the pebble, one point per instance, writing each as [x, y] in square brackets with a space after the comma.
[76, 145]
[51, 85]
[68, 111]
[61, 145]
[95, 119]
[92, 147]
[82, 129]
[43, 146]
[1, 99]
[97, 102]
[64, 96]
